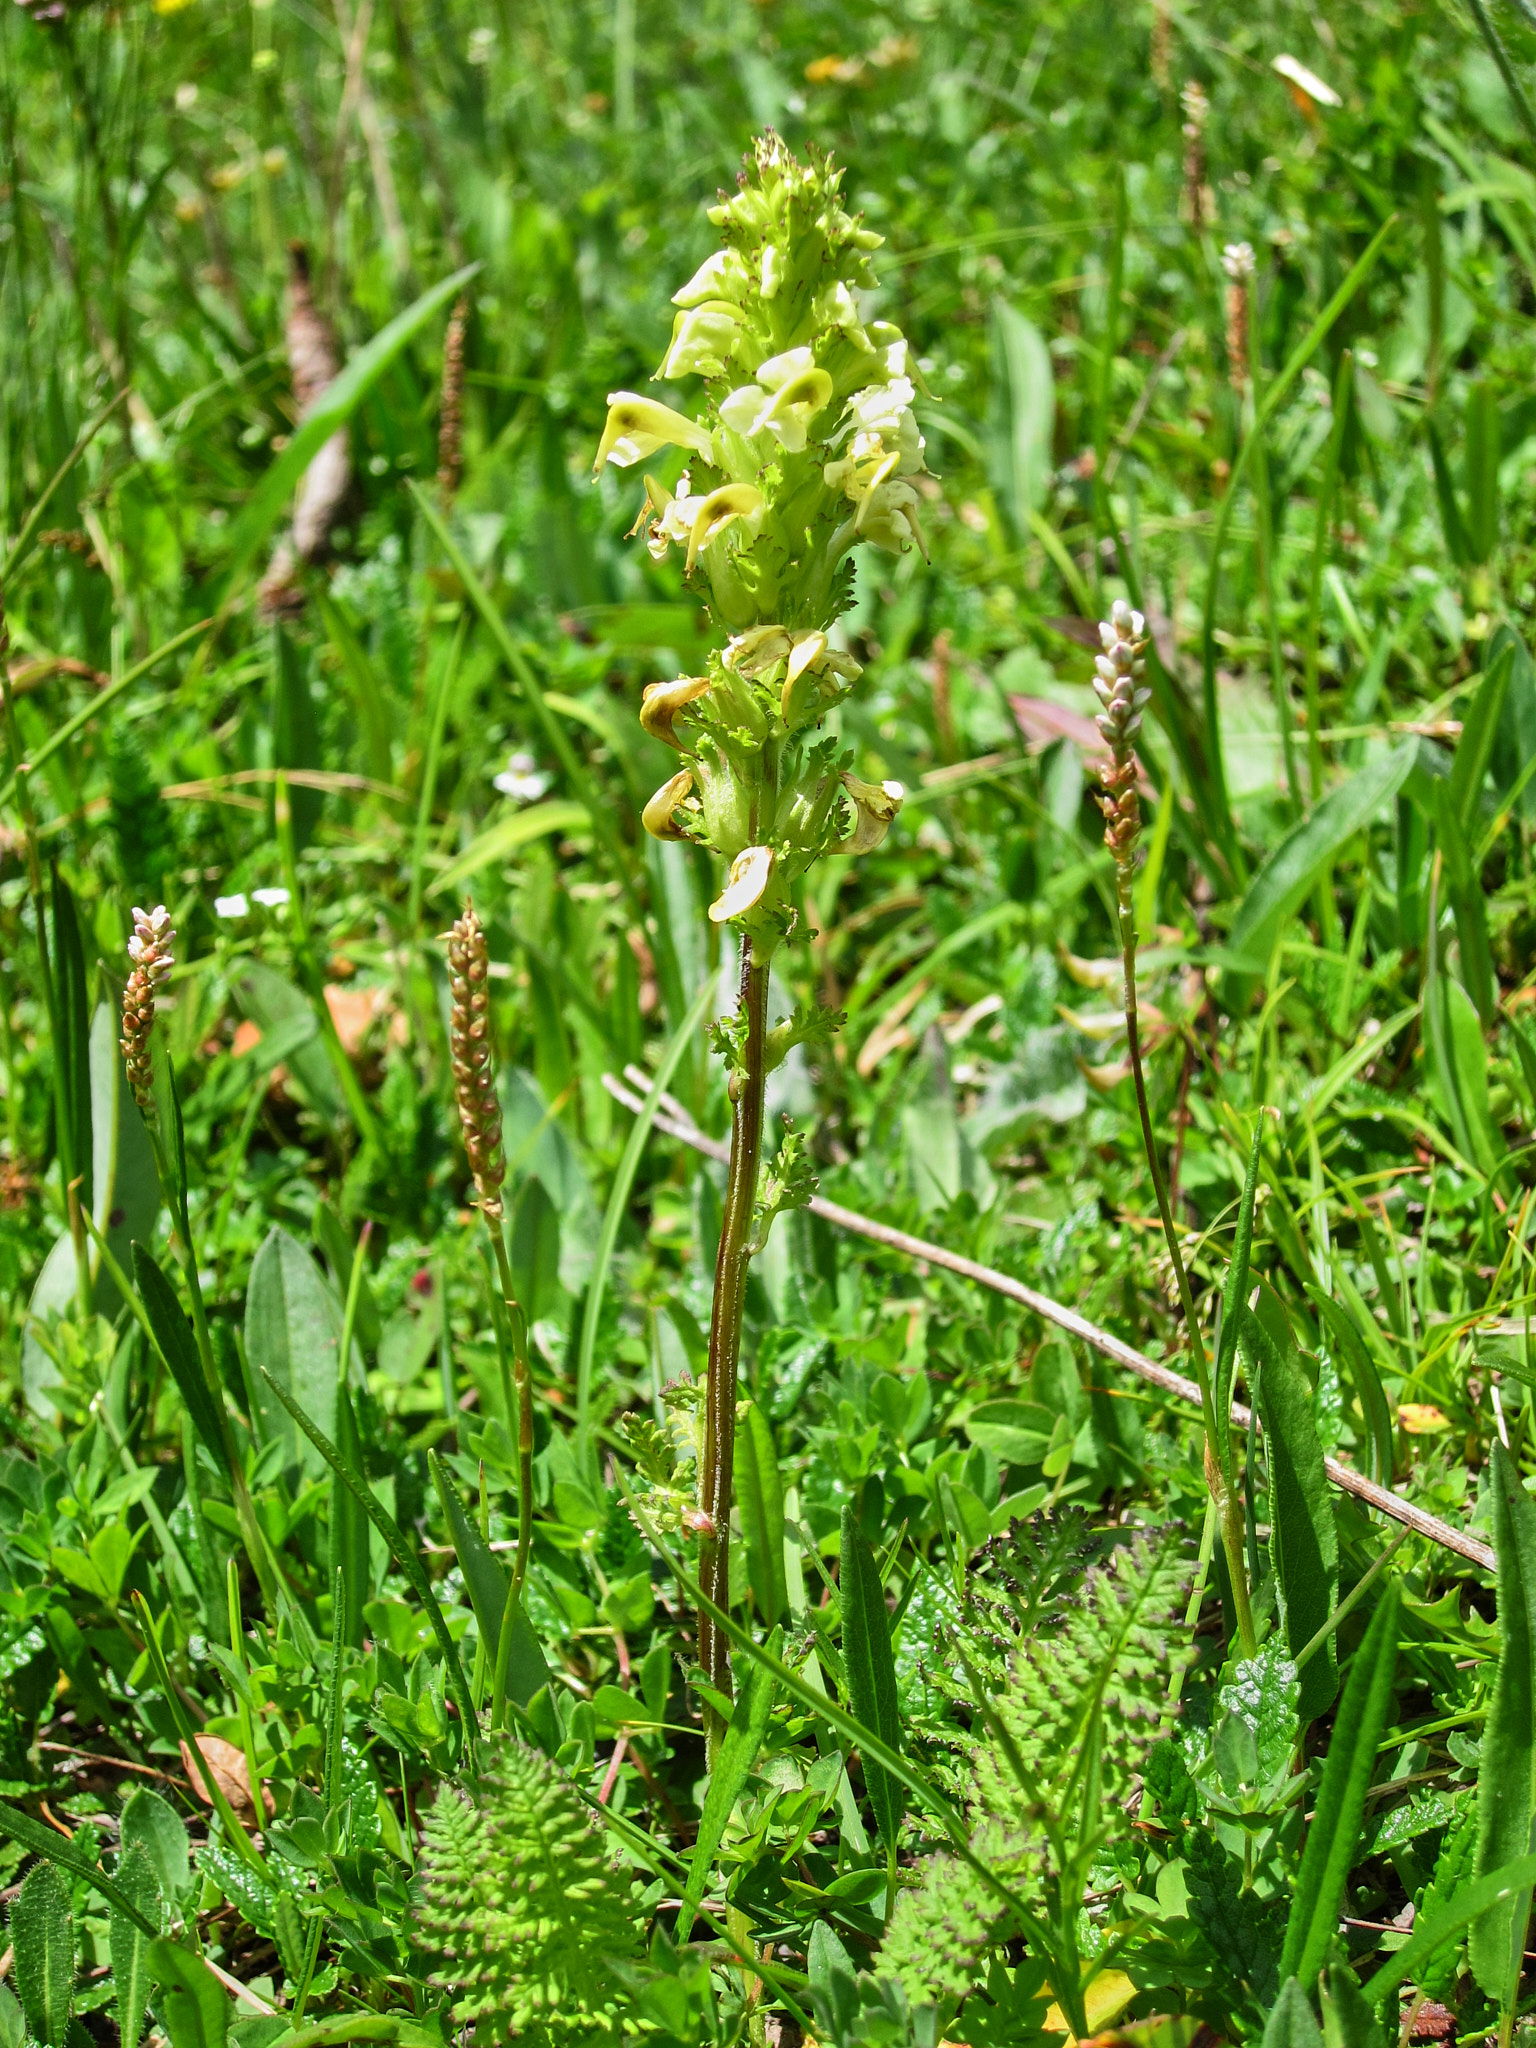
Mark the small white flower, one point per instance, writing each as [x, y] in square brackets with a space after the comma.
[270, 899]
[522, 779]
[231, 906]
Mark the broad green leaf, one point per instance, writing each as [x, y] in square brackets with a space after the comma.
[760, 1499]
[330, 1235]
[1023, 414]
[1304, 1541]
[1289, 874]
[293, 1336]
[13, 2027]
[534, 821]
[129, 1945]
[739, 1746]
[1015, 1432]
[153, 1824]
[1515, 743]
[488, 1585]
[193, 2003]
[1291, 2022]
[43, 1936]
[534, 1249]
[404, 1556]
[72, 1053]
[1348, 1773]
[871, 1669]
[328, 415]
[1506, 1774]
[178, 1347]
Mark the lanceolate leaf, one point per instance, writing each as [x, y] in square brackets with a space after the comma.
[43, 1936]
[1233, 1297]
[1506, 1775]
[1499, 1890]
[1304, 1543]
[487, 1583]
[178, 1347]
[1291, 2023]
[348, 1550]
[760, 1497]
[129, 1944]
[1348, 1772]
[871, 1669]
[727, 1781]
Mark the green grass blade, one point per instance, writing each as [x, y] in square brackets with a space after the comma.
[409, 1563]
[487, 1584]
[871, 1670]
[178, 1347]
[1233, 1298]
[43, 1841]
[618, 1204]
[760, 1499]
[598, 809]
[1506, 1772]
[1347, 1774]
[330, 412]
[742, 1740]
[1498, 1890]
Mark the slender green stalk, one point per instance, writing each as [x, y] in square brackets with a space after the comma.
[1124, 695]
[518, 1396]
[717, 1462]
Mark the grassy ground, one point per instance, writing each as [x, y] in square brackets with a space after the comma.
[1319, 486]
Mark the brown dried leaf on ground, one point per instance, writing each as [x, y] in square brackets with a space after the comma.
[227, 1765]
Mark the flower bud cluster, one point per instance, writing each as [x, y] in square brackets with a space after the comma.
[1124, 696]
[1120, 668]
[150, 951]
[474, 1069]
[807, 445]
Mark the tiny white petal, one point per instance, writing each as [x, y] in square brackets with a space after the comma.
[231, 906]
[270, 899]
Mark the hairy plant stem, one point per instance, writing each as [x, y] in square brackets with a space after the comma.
[512, 1336]
[717, 1461]
[1228, 1510]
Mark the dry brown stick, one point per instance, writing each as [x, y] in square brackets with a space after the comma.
[677, 1125]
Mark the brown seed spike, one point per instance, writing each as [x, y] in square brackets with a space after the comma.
[150, 951]
[474, 1067]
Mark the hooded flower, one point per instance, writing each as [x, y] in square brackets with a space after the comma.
[637, 427]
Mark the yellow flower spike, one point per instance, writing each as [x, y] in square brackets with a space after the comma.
[657, 815]
[663, 701]
[731, 501]
[875, 806]
[637, 427]
[745, 884]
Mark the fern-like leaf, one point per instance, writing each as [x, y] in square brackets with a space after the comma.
[1085, 1699]
[520, 1902]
